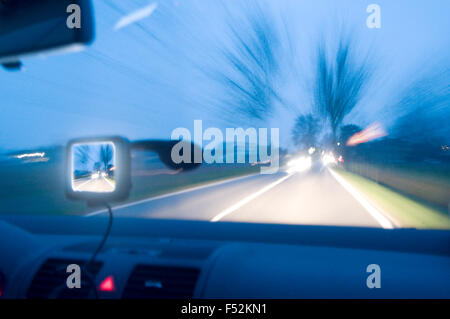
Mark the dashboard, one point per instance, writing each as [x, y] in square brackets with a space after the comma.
[156, 258]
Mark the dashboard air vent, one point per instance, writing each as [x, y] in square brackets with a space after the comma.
[50, 280]
[161, 282]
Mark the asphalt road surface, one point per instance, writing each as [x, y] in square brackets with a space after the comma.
[100, 184]
[311, 198]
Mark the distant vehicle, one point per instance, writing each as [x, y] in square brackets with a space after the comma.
[95, 175]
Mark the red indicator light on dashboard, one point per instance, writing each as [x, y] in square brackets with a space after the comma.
[107, 284]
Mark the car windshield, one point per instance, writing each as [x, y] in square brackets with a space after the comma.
[307, 112]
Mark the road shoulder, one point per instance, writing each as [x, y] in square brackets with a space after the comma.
[405, 211]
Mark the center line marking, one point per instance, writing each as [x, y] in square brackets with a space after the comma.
[187, 190]
[247, 199]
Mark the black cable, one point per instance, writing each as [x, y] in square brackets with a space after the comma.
[91, 261]
[55, 293]
[105, 236]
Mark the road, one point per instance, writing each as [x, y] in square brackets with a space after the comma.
[100, 184]
[314, 198]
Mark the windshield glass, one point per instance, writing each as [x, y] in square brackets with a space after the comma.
[308, 112]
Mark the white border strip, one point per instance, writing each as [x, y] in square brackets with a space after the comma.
[247, 199]
[377, 215]
[229, 180]
[110, 184]
[135, 16]
[82, 184]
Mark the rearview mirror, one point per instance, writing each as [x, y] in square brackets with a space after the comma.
[39, 26]
[98, 169]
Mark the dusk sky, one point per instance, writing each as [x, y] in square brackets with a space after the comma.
[145, 79]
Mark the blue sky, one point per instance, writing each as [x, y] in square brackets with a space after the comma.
[146, 79]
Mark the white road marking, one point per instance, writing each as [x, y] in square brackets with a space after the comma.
[136, 16]
[247, 199]
[174, 193]
[82, 184]
[110, 184]
[377, 215]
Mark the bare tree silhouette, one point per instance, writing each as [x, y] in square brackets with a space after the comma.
[305, 130]
[82, 155]
[106, 155]
[250, 67]
[340, 82]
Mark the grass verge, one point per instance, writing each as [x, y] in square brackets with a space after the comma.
[405, 210]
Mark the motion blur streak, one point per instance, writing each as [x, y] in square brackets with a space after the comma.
[136, 16]
[30, 155]
[372, 132]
